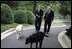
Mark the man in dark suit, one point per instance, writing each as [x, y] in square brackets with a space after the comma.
[49, 16]
[38, 18]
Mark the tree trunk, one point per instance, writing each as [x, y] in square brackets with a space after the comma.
[34, 8]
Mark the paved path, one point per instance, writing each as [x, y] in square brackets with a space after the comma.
[57, 21]
[50, 42]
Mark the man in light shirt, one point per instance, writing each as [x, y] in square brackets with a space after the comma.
[49, 16]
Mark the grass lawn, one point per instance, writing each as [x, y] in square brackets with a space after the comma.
[5, 27]
[53, 23]
[62, 19]
[58, 24]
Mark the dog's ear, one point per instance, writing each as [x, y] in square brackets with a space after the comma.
[47, 36]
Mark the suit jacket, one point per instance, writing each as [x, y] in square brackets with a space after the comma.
[40, 13]
[49, 16]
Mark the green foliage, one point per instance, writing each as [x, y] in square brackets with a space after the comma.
[62, 7]
[6, 14]
[20, 17]
[12, 4]
[65, 7]
[26, 5]
[22, 8]
[30, 16]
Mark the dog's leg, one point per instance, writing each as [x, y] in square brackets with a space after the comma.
[17, 35]
[36, 44]
[31, 45]
[40, 44]
[21, 33]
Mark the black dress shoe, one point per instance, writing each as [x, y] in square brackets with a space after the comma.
[36, 31]
[47, 32]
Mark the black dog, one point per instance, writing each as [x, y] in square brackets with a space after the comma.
[36, 37]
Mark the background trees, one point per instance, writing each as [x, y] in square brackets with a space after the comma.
[62, 9]
[11, 3]
[65, 8]
[15, 12]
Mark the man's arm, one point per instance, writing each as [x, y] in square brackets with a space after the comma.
[41, 13]
[52, 16]
[45, 16]
[36, 14]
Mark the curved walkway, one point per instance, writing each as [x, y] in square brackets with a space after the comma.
[50, 42]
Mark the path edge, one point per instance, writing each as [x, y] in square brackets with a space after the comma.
[63, 40]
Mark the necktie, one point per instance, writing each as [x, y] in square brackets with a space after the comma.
[38, 10]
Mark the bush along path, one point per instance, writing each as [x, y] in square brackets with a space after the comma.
[6, 14]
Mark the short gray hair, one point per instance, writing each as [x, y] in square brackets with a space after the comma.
[49, 7]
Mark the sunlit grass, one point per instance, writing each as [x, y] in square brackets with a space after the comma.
[53, 23]
[5, 27]
[62, 19]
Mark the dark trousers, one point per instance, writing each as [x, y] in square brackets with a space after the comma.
[45, 26]
[37, 25]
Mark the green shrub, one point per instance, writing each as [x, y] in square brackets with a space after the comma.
[22, 8]
[20, 17]
[6, 14]
[30, 16]
[68, 31]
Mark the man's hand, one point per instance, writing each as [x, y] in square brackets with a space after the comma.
[37, 15]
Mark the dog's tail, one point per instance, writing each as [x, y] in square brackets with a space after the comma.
[46, 35]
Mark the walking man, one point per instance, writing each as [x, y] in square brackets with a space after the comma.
[49, 16]
[38, 18]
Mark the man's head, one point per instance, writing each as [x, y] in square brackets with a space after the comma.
[39, 6]
[49, 8]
